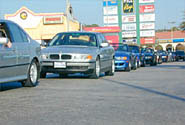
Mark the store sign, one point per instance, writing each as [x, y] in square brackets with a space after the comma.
[129, 34]
[178, 40]
[110, 3]
[146, 8]
[146, 1]
[130, 41]
[53, 19]
[129, 19]
[147, 17]
[147, 26]
[131, 26]
[110, 10]
[112, 39]
[110, 19]
[148, 33]
[114, 29]
[128, 6]
[149, 40]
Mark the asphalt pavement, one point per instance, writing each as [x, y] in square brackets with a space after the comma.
[148, 96]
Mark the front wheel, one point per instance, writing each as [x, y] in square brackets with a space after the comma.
[33, 75]
[96, 72]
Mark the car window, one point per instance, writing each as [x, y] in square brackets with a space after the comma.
[17, 36]
[80, 39]
[24, 36]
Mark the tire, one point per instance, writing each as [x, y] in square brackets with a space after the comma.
[135, 65]
[144, 63]
[138, 64]
[96, 72]
[43, 74]
[33, 75]
[128, 69]
[112, 69]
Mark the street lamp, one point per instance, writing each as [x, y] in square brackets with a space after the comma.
[172, 29]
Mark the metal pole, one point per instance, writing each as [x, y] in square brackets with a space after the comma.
[138, 22]
[120, 20]
[67, 18]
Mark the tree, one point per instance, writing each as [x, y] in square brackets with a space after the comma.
[92, 25]
[182, 26]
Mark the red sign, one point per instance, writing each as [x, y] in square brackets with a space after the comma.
[146, 8]
[114, 29]
[147, 40]
[112, 39]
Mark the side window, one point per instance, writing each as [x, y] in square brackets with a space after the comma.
[103, 38]
[15, 32]
[24, 36]
[100, 39]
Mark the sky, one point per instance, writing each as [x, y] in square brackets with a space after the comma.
[91, 11]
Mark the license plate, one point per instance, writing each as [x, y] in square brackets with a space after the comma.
[59, 64]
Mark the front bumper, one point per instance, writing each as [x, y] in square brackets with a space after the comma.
[121, 65]
[71, 67]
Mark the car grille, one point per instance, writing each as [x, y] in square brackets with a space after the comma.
[54, 56]
[65, 56]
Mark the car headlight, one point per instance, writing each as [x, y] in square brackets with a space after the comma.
[121, 58]
[44, 56]
[82, 57]
[148, 57]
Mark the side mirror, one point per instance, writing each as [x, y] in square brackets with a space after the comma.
[3, 40]
[43, 44]
[104, 45]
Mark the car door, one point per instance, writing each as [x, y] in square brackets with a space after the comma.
[108, 52]
[103, 53]
[21, 43]
[8, 58]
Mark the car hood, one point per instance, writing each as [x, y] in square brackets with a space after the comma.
[148, 54]
[70, 49]
[119, 53]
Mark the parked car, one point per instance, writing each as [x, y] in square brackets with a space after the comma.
[124, 60]
[164, 56]
[78, 52]
[180, 55]
[159, 57]
[136, 51]
[150, 56]
[19, 55]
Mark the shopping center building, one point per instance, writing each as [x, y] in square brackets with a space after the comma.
[170, 40]
[43, 26]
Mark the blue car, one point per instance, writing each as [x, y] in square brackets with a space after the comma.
[136, 51]
[124, 60]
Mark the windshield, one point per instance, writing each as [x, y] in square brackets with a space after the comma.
[121, 48]
[80, 39]
[134, 49]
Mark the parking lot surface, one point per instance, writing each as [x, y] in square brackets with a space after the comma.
[148, 96]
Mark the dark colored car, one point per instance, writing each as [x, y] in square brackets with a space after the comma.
[180, 55]
[139, 57]
[150, 56]
[124, 60]
[164, 55]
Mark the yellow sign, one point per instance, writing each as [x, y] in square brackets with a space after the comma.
[23, 15]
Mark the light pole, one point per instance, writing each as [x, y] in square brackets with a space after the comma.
[120, 20]
[172, 29]
[67, 14]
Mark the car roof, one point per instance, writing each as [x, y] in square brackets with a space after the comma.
[80, 32]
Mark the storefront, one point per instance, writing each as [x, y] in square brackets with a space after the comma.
[43, 26]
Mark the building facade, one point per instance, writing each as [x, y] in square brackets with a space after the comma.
[43, 26]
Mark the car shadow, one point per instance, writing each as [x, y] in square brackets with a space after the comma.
[10, 86]
[70, 76]
[170, 66]
[147, 90]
